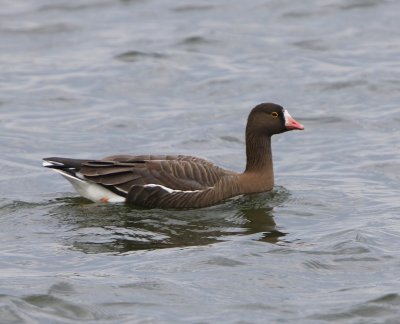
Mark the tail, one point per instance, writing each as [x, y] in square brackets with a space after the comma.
[70, 170]
[63, 163]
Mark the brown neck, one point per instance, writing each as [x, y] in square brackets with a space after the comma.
[259, 155]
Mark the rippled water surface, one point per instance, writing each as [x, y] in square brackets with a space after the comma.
[90, 78]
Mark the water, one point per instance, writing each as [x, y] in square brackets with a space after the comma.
[91, 78]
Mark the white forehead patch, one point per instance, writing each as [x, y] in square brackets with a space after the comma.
[286, 115]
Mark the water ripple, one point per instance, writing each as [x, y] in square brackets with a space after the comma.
[91, 78]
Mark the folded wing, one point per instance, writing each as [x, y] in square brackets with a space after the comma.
[121, 172]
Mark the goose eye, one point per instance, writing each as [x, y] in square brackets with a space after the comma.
[274, 114]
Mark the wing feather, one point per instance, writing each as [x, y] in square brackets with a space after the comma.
[176, 172]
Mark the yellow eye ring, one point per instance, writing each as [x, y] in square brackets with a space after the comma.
[274, 114]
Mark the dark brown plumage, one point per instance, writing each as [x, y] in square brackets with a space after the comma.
[169, 181]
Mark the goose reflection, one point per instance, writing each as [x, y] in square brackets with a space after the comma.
[261, 220]
[95, 228]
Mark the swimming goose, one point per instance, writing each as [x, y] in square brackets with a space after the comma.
[179, 181]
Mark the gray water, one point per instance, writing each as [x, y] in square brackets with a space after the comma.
[90, 78]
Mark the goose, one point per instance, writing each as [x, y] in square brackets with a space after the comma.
[180, 181]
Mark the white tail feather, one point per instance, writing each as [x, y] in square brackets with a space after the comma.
[91, 190]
